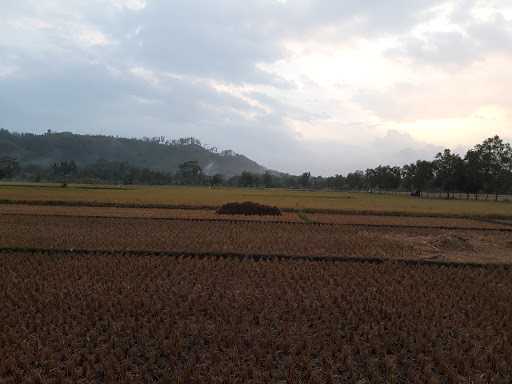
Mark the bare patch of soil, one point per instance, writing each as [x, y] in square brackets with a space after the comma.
[459, 246]
[452, 242]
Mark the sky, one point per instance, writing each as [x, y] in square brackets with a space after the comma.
[326, 86]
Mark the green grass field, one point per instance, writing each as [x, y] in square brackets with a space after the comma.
[301, 200]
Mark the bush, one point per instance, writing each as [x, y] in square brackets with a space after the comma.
[248, 208]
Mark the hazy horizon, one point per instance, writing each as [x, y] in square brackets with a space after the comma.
[323, 86]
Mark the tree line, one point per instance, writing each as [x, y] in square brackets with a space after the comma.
[485, 168]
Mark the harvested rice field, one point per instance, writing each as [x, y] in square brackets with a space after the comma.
[159, 319]
[96, 294]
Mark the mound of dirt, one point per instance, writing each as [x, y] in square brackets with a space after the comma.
[452, 243]
[248, 208]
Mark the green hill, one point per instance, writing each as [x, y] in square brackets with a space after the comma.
[158, 154]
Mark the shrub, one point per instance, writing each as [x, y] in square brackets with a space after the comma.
[248, 208]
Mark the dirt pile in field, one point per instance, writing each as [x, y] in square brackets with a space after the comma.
[248, 208]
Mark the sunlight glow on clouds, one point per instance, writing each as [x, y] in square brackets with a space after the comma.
[323, 85]
[463, 131]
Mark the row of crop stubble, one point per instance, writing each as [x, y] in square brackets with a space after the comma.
[87, 233]
[252, 238]
[141, 319]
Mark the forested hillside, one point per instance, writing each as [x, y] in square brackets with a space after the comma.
[158, 154]
[65, 157]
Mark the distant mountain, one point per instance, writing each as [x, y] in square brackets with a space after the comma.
[159, 154]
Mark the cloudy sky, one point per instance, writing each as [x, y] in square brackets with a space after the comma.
[321, 85]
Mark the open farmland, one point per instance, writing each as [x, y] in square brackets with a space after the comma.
[134, 294]
[255, 192]
[289, 199]
[127, 319]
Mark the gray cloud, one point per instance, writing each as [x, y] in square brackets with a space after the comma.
[95, 66]
[441, 48]
[471, 41]
[385, 103]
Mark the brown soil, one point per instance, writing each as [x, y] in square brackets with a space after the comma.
[458, 246]
[453, 242]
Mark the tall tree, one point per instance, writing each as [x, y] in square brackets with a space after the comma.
[418, 176]
[474, 179]
[356, 180]
[305, 179]
[384, 177]
[449, 171]
[495, 159]
[371, 178]
[337, 182]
